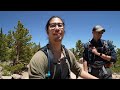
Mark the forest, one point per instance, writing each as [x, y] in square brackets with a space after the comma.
[16, 50]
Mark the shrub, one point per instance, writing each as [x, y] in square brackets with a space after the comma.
[17, 68]
[6, 73]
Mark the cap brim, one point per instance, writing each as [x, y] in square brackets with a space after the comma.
[99, 30]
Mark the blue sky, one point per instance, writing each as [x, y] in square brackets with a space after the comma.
[78, 24]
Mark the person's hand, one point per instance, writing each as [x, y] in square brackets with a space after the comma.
[94, 50]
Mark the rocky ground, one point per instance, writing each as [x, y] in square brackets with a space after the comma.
[116, 76]
[25, 76]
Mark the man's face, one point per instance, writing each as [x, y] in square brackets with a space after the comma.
[97, 35]
[56, 30]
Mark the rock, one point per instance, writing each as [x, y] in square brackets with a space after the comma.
[16, 76]
[6, 77]
[25, 75]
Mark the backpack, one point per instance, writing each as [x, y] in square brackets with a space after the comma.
[95, 66]
[45, 48]
[106, 48]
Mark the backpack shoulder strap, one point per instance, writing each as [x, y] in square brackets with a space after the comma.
[107, 44]
[67, 55]
[45, 50]
[104, 43]
[110, 45]
[68, 59]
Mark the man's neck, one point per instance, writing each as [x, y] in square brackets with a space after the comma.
[96, 39]
[55, 47]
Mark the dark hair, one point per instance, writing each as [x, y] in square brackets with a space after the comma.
[48, 22]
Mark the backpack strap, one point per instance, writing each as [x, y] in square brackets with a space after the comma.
[104, 43]
[67, 55]
[88, 50]
[45, 50]
[107, 45]
[67, 58]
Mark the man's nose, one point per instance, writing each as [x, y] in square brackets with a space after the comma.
[56, 27]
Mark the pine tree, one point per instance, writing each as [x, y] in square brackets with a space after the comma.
[22, 44]
[3, 46]
[79, 49]
[35, 47]
[116, 66]
[11, 46]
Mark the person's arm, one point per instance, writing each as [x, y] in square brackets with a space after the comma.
[103, 56]
[77, 70]
[85, 67]
[111, 58]
[86, 75]
[37, 66]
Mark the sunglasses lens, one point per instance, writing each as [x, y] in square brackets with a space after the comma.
[100, 33]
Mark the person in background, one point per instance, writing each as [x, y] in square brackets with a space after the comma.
[99, 55]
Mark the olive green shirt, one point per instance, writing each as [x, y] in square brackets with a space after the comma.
[38, 65]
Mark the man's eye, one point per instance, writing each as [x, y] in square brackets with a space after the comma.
[52, 25]
[60, 25]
